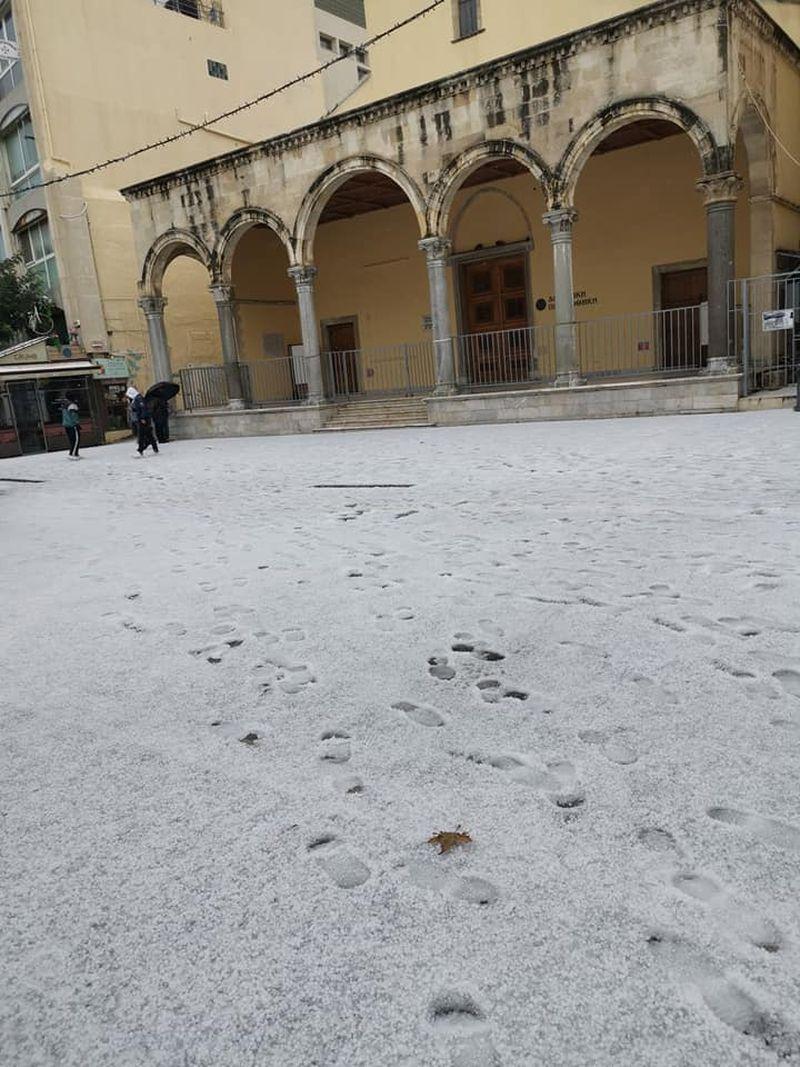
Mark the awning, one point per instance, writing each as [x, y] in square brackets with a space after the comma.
[63, 368]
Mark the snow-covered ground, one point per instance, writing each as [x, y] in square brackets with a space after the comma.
[235, 706]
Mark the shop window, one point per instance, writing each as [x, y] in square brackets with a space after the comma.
[217, 69]
[10, 71]
[22, 157]
[36, 247]
[467, 18]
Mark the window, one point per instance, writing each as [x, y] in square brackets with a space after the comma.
[362, 56]
[326, 43]
[345, 49]
[21, 156]
[467, 18]
[9, 68]
[363, 73]
[37, 251]
[217, 70]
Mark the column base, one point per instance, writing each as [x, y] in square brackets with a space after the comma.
[568, 380]
[444, 389]
[236, 404]
[720, 365]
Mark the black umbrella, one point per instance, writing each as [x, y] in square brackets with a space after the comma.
[163, 391]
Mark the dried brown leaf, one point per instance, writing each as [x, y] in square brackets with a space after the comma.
[449, 839]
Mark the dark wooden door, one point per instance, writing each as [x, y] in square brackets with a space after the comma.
[344, 357]
[682, 293]
[496, 309]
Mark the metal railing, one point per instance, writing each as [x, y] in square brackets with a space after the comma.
[392, 370]
[207, 10]
[505, 357]
[203, 387]
[765, 344]
[276, 381]
[672, 341]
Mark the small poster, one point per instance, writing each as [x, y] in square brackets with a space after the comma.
[771, 321]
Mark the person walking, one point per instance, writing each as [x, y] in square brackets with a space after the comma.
[141, 414]
[71, 421]
[159, 409]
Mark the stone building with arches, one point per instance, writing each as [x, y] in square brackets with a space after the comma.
[550, 231]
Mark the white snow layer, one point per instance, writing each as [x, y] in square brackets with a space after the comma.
[235, 706]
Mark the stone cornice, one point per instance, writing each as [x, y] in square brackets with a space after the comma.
[660, 13]
[756, 18]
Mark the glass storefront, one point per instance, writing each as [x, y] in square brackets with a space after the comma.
[30, 414]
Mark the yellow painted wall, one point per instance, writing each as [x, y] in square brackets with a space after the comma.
[105, 77]
[426, 50]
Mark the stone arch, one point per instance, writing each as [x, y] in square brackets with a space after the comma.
[490, 190]
[167, 247]
[622, 113]
[236, 227]
[452, 177]
[326, 184]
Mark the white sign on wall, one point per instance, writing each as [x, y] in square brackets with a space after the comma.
[771, 321]
[9, 50]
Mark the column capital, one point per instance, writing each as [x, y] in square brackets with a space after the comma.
[560, 221]
[303, 276]
[152, 305]
[436, 248]
[722, 188]
[223, 294]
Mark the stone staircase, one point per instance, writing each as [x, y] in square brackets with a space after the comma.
[382, 414]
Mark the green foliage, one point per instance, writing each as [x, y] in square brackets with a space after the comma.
[25, 309]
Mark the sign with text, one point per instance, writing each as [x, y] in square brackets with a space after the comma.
[9, 51]
[772, 321]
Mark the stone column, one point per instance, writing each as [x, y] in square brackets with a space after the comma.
[153, 308]
[303, 278]
[437, 253]
[720, 192]
[223, 298]
[567, 360]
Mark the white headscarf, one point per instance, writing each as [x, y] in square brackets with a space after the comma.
[131, 392]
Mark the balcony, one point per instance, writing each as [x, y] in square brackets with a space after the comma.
[205, 10]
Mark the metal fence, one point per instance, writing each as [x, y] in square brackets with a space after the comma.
[764, 329]
[505, 357]
[672, 341]
[666, 342]
[274, 382]
[203, 387]
[391, 370]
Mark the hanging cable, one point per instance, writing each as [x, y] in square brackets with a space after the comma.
[195, 127]
[763, 117]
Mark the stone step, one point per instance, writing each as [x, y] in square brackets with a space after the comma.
[350, 427]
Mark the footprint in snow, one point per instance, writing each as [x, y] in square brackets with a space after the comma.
[557, 778]
[784, 835]
[470, 888]
[492, 691]
[726, 1000]
[734, 916]
[458, 1018]
[341, 866]
[438, 667]
[421, 714]
[610, 745]
[790, 681]
[334, 754]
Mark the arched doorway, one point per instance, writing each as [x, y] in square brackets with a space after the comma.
[361, 226]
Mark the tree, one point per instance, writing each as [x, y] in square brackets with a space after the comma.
[25, 308]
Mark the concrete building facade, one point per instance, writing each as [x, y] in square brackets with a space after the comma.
[568, 211]
[93, 80]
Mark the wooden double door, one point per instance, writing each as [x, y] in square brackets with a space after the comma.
[497, 347]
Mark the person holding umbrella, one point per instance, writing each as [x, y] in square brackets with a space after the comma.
[157, 398]
[141, 416]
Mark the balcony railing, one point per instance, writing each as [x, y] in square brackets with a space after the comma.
[207, 10]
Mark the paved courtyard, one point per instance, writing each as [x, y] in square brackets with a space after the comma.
[244, 682]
